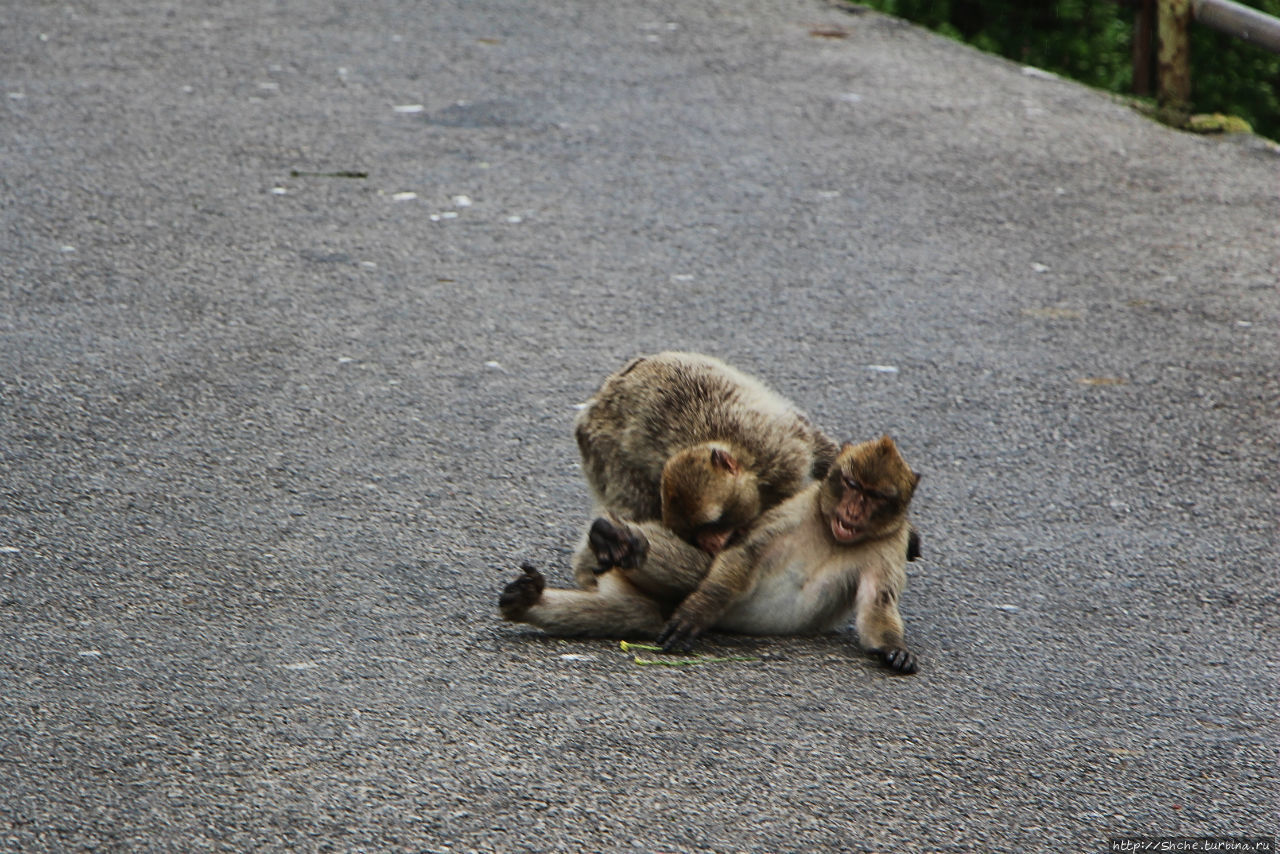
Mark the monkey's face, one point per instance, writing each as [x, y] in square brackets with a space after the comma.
[867, 491]
[707, 497]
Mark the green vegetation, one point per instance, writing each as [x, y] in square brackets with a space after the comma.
[1092, 41]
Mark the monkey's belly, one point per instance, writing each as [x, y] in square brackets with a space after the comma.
[788, 606]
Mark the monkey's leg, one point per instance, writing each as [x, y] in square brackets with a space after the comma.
[880, 626]
[649, 556]
[614, 609]
[607, 544]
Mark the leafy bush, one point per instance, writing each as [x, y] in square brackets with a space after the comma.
[1092, 41]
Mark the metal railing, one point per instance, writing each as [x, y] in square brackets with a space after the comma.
[1240, 21]
[1169, 19]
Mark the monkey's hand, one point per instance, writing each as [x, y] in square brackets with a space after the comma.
[695, 615]
[520, 594]
[616, 544]
[679, 634]
[898, 659]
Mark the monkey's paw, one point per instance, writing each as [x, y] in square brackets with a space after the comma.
[899, 659]
[679, 634]
[518, 596]
[615, 544]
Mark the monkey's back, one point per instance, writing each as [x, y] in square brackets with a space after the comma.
[657, 405]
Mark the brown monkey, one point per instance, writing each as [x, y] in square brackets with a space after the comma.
[687, 439]
[837, 548]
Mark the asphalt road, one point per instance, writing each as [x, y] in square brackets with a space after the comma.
[272, 439]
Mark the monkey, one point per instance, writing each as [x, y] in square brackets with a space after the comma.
[836, 548]
[695, 443]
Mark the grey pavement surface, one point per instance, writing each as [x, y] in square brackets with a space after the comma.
[272, 441]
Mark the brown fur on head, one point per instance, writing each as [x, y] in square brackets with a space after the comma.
[866, 494]
[708, 495]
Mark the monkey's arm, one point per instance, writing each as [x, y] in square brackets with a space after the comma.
[878, 622]
[729, 575]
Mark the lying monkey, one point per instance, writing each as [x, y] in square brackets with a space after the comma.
[835, 549]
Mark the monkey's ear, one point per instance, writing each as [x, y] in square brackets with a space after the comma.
[915, 479]
[722, 459]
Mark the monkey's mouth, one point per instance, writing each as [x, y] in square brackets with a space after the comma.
[711, 539]
[843, 531]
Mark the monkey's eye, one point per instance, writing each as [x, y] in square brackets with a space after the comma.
[852, 484]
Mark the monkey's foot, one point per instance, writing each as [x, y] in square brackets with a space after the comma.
[898, 659]
[615, 544]
[518, 596]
